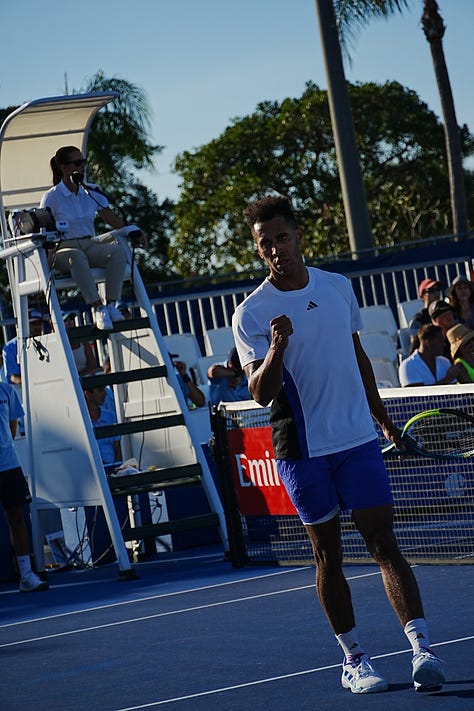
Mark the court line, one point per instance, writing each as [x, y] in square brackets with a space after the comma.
[257, 682]
[146, 599]
[157, 615]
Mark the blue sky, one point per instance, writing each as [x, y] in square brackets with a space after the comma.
[202, 63]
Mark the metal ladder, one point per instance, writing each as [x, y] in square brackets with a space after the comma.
[64, 464]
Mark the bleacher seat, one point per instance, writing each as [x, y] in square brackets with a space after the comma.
[406, 311]
[385, 372]
[404, 339]
[185, 346]
[218, 340]
[379, 318]
[379, 345]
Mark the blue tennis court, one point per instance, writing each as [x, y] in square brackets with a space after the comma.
[194, 633]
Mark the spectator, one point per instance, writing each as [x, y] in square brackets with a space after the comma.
[461, 298]
[11, 366]
[194, 396]
[228, 380]
[125, 310]
[81, 350]
[461, 340]
[429, 290]
[76, 202]
[442, 315]
[14, 493]
[109, 447]
[426, 365]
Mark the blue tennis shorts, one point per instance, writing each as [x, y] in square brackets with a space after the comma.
[13, 488]
[319, 487]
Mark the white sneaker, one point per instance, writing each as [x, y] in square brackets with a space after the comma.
[32, 583]
[114, 313]
[102, 319]
[428, 672]
[360, 676]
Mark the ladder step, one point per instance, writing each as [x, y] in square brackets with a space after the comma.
[125, 376]
[153, 530]
[90, 331]
[151, 423]
[155, 480]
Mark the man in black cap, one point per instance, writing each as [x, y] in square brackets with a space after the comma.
[442, 315]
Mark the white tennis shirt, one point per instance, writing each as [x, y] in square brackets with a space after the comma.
[322, 407]
[77, 209]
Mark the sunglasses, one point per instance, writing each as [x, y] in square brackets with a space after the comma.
[431, 290]
[77, 163]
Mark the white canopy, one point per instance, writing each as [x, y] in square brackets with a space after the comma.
[32, 134]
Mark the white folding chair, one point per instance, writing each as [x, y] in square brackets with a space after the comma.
[404, 339]
[379, 318]
[186, 348]
[406, 311]
[385, 372]
[378, 345]
[218, 340]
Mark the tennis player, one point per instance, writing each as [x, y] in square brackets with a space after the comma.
[297, 340]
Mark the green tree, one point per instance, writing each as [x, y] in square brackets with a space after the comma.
[288, 147]
[355, 14]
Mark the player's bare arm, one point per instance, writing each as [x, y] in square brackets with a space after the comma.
[265, 377]
[377, 408]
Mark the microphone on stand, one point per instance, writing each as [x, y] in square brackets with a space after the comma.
[77, 178]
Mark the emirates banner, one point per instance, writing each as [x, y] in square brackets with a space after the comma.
[259, 489]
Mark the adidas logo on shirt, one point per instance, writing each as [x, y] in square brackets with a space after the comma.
[311, 305]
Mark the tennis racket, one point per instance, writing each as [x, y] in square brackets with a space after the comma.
[438, 433]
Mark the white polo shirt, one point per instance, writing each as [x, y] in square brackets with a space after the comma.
[78, 210]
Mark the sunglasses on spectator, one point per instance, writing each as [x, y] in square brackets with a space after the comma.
[431, 290]
[77, 163]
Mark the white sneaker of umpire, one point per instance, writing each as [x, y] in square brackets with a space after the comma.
[428, 671]
[102, 319]
[32, 583]
[360, 676]
[114, 313]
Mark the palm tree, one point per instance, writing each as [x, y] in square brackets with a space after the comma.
[350, 175]
[434, 28]
[355, 14]
[120, 142]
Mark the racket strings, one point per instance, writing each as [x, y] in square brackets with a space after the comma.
[443, 434]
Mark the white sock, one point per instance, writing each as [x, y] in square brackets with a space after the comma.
[24, 565]
[350, 644]
[417, 633]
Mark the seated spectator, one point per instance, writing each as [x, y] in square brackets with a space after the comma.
[461, 340]
[228, 380]
[429, 290]
[427, 365]
[109, 447]
[194, 396]
[11, 365]
[125, 310]
[461, 298]
[81, 350]
[442, 315]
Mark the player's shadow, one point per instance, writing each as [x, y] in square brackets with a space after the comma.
[444, 692]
